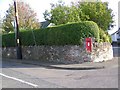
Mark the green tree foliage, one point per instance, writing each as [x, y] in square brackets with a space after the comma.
[0, 25]
[27, 17]
[99, 13]
[81, 11]
[104, 36]
[62, 14]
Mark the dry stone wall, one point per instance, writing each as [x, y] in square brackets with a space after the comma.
[63, 54]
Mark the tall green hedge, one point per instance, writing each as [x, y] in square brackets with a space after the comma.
[68, 34]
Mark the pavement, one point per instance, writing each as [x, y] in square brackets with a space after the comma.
[82, 66]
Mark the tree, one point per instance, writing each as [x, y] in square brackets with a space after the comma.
[27, 17]
[81, 11]
[0, 25]
[99, 13]
[61, 14]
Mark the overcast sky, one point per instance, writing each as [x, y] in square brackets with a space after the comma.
[41, 5]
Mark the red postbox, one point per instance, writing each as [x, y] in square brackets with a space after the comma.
[88, 44]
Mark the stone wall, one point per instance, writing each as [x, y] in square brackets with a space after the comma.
[63, 54]
[100, 52]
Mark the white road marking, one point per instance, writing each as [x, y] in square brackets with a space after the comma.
[31, 84]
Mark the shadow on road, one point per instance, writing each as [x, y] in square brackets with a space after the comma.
[13, 64]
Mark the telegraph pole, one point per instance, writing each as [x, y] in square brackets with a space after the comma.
[17, 35]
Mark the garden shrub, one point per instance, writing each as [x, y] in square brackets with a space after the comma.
[68, 34]
[104, 36]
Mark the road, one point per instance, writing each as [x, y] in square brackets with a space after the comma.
[17, 75]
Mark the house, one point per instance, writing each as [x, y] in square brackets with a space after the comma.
[116, 36]
[46, 24]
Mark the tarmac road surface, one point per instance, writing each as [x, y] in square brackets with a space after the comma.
[18, 75]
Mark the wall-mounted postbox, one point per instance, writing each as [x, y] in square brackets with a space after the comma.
[88, 44]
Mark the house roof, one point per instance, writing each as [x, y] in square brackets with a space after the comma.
[44, 24]
[118, 31]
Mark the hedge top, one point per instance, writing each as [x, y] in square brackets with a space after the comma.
[68, 34]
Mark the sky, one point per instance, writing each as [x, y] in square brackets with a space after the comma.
[39, 6]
